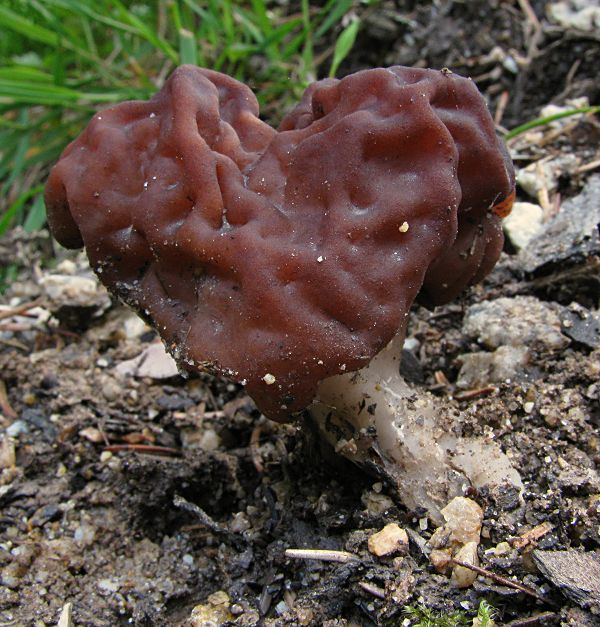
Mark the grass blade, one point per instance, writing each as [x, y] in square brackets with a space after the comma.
[188, 52]
[343, 46]
[12, 212]
[36, 217]
[338, 11]
[518, 130]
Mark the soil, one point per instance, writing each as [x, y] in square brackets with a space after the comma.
[93, 462]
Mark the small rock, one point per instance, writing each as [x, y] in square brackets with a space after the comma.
[392, 539]
[25, 554]
[523, 223]
[578, 479]
[502, 548]
[281, 608]
[463, 577]
[108, 585]
[216, 611]
[17, 428]
[8, 457]
[581, 325]
[518, 321]
[463, 520]
[154, 362]
[92, 434]
[580, 15]
[458, 539]
[111, 390]
[538, 176]
[11, 575]
[209, 440]
[481, 369]
[134, 326]
[45, 514]
[411, 368]
[376, 503]
[75, 291]
[174, 402]
[85, 534]
[570, 237]
[38, 419]
[239, 523]
[440, 559]
[75, 300]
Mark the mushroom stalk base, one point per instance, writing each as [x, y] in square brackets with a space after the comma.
[377, 420]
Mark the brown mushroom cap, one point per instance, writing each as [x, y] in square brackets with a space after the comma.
[280, 258]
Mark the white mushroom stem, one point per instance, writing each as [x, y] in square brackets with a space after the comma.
[378, 420]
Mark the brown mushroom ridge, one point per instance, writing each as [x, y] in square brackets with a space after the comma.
[280, 258]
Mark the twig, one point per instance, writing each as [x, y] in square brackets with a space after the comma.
[530, 14]
[571, 75]
[13, 343]
[254, 444]
[376, 591]
[15, 327]
[535, 36]
[150, 449]
[214, 414]
[589, 268]
[503, 580]
[19, 309]
[531, 621]
[529, 539]
[5, 405]
[441, 378]
[501, 106]
[587, 167]
[469, 394]
[542, 195]
[200, 514]
[556, 200]
[324, 555]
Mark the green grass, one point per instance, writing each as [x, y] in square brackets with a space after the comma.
[62, 59]
[544, 121]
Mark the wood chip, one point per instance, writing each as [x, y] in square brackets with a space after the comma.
[576, 574]
[530, 538]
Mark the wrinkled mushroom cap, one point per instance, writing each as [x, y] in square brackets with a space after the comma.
[280, 258]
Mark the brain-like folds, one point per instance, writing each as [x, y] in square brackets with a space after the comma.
[282, 257]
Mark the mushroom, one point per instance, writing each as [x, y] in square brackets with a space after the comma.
[288, 259]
